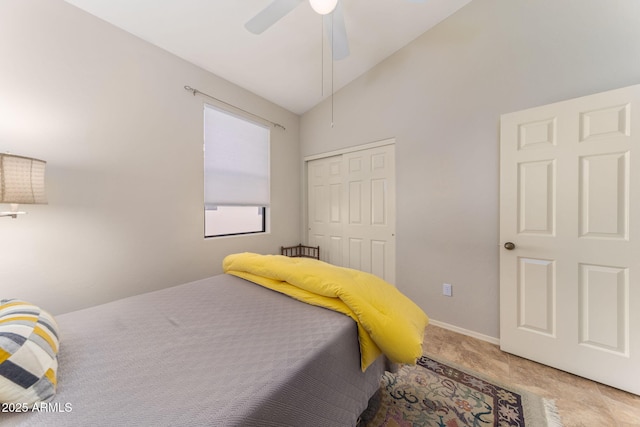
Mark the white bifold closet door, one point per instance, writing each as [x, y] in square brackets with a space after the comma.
[351, 209]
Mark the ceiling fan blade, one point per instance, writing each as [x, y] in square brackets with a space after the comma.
[337, 33]
[270, 15]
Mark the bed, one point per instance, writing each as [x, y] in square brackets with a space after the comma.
[218, 352]
[236, 349]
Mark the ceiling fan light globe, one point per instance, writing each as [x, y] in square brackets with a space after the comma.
[323, 7]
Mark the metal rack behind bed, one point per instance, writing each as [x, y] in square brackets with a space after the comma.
[301, 251]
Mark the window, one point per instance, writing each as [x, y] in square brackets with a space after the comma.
[236, 174]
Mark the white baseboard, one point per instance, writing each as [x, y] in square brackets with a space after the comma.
[463, 331]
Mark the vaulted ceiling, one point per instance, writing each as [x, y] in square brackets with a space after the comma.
[290, 63]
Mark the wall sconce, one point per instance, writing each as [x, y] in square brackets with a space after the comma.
[21, 182]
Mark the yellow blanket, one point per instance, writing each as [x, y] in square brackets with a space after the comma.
[388, 321]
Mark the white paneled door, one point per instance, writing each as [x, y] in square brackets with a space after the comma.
[325, 207]
[351, 209]
[570, 236]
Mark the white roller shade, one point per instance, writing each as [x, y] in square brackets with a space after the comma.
[236, 161]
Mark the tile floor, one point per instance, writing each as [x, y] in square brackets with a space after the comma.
[580, 402]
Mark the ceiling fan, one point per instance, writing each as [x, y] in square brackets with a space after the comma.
[332, 16]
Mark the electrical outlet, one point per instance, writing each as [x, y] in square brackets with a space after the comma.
[447, 290]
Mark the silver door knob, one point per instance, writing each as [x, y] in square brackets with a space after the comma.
[509, 246]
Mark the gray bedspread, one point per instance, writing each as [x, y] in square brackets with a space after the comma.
[215, 352]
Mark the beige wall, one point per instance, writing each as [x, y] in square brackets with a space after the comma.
[123, 142]
[441, 98]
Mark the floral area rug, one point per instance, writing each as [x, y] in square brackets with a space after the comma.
[433, 393]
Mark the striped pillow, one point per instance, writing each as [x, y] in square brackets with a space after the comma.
[28, 353]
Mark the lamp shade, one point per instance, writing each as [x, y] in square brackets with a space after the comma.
[323, 7]
[21, 180]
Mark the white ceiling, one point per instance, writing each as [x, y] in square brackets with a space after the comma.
[285, 64]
